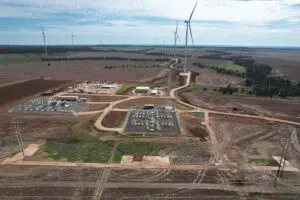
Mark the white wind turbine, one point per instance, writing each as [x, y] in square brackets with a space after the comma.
[188, 29]
[73, 39]
[176, 38]
[44, 38]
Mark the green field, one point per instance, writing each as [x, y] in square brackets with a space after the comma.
[18, 58]
[81, 147]
[258, 161]
[125, 87]
[228, 66]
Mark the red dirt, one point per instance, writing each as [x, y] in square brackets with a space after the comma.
[148, 100]
[114, 119]
[79, 70]
[94, 107]
[18, 91]
[99, 98]
[192, 126]
[244, 104]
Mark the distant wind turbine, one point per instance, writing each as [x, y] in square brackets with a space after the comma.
[188, 29]
[44, 38]
[175, 38]
[73, 38]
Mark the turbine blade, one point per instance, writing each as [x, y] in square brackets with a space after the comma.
[193, 11]
[191, 33]
[176, 27]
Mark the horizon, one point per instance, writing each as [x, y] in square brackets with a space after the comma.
[271, 23]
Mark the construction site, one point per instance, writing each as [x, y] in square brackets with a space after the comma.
[144, 123]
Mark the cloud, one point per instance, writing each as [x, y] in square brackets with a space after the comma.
[143, 21]
[255, 11]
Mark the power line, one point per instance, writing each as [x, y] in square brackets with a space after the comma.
[18, 136]
[283, 157]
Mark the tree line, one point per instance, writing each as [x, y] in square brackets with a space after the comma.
[220, 70]
[135, 66]
[105, 58]
[258, 77]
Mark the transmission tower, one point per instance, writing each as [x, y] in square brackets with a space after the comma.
[283, 156]
[18, 135]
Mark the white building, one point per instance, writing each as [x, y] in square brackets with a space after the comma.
[142, 89]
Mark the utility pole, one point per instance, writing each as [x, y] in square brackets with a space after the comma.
[283, 157]
[19, 137]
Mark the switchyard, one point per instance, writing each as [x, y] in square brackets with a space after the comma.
[50, 106]
[152, 120]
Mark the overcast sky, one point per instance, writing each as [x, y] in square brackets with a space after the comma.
[215, 22]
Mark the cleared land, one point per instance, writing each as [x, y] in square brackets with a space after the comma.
[17, 91]
[114, 119]
[248, 141]
[284, 62]
[21, 182]
[106, 54]
[192, 152]
[211, 78]
[99, 98]
[146, 100]
[192, 125]
[79, 70]
[94, 107]
[18, 58]
[280, 108]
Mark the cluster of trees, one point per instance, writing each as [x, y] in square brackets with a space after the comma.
[105, 58]
[135, 66]
[228, 90]
[276, 86]
[258, 77]
[220, 70]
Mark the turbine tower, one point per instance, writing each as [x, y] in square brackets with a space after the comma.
[44, 38]
[73, 39]
[188, 29]
[175, 38]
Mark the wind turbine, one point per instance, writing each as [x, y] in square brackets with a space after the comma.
[188, 29]
[175, 38]
[44, 38]
[73, 39]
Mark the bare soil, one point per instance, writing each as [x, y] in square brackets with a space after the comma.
[78, 70]
[243, 139]
[94, 107]
[211, 78]
[192, 126]
[279, 108]
[114, 119]
[149, 100]
[99, 98]
[20, 90]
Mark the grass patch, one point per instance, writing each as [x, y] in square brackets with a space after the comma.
[125, 87]
[79, 147]
[179, 106]
[19, 58]
[258, 161]
[140, 148]
[117, 157]
[229, 66]
[198, 114]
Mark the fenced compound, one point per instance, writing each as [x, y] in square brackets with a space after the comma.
[159, 121]
[49, 106]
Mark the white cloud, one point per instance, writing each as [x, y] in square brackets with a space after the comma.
[247, 20]
[255, 11]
